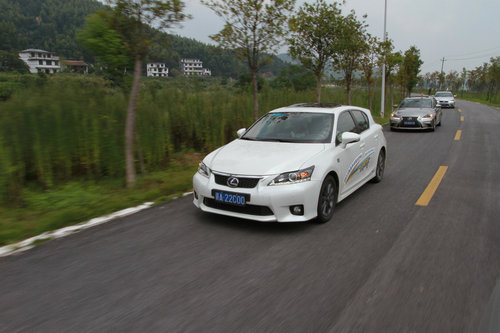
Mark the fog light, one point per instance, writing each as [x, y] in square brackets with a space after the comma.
[195, 195]
[297, 210]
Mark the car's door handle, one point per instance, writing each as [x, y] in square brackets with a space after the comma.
[362, 145]
[376, 136]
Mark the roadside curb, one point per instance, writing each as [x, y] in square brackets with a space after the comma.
[49, 235]
[30, 243]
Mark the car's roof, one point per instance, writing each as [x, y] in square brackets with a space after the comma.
[318, 107]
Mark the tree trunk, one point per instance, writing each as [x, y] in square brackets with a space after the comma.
[318, 88]
[140, 154]
[255, 94]
[348, 88]
[130, 124]
[391, 92]
[370, 95]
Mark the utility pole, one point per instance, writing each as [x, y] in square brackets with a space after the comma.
[382, 106]
[441, 79]
[442, 64]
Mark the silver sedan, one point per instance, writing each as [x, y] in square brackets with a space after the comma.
[417, 113]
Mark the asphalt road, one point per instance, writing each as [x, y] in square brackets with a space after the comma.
[383, 264]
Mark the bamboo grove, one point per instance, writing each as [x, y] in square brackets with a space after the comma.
[68, 127]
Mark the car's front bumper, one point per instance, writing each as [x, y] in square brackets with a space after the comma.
[447, 104]
[412, 123]
[266, 204]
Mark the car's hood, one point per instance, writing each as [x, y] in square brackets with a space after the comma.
[260, 158]
[414, 112]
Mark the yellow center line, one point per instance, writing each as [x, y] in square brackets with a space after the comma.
[426, 197]
[459, 110]
[458, 135]
[462, 118]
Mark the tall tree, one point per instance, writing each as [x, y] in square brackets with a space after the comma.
[254, 30]
[411, 68]
[10, 62]
[107, 45]
[452, 80]
[315, 27]
[133, 20]
[368, 63]
[350, 47]
[493, 77]
[393, 61]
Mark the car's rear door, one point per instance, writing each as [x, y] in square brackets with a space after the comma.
[350, 156]
[368, 144]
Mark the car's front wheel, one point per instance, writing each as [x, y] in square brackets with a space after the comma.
[327, 200]
[380, 168]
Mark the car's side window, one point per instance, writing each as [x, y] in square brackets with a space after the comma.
[361, 119]
[345, 124]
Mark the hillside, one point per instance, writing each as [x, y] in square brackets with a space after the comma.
[52, 25]
[49, 25]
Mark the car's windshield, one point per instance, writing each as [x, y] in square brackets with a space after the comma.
[300, 127]
[416, 103]
[444, 94]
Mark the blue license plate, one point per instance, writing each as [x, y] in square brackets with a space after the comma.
[230, 198]
[409, 123]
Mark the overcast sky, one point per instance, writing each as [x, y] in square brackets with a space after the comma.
[465, 32]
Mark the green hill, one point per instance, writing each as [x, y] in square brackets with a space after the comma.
[52, 25]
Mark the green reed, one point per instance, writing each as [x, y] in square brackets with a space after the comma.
[68, 127]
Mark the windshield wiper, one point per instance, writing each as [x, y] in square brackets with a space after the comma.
[277, 140]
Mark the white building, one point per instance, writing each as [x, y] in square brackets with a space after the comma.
[190, 67]
[156, 69]
[40, 61]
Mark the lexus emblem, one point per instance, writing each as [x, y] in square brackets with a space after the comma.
[233, 182]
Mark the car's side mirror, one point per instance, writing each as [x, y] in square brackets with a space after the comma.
[454, 95]
[240, 132]
[349, 137]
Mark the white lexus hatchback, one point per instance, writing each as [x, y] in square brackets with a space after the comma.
[293, 164]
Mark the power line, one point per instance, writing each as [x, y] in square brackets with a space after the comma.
[477, 57]
[471, 53]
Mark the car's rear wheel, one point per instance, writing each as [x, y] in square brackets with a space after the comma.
[380, 168]
[327, 200]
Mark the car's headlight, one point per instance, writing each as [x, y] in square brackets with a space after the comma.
[293, 177]
[430, 115]
[203, 169]
[394, 115]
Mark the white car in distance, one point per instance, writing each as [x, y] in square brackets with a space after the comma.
[445, 98]
[294, 164]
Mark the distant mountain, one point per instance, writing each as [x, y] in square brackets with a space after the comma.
[285, 57]
[49, 25]
[52, 25]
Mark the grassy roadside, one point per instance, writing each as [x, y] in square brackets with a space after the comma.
[80, 201]
[483, 100]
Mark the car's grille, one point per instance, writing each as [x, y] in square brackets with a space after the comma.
[410, 122]
[247, 209]
[244, 182]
